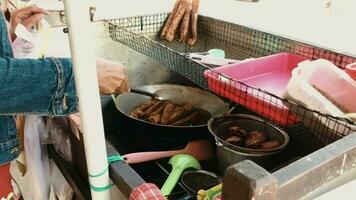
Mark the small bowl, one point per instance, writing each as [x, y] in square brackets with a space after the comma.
[219, 125]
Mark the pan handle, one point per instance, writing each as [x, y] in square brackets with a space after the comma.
[138, 91]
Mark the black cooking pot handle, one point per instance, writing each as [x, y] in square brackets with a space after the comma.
[219, 144]
[231, 110]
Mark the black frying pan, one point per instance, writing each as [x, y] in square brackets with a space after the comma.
[200, 99]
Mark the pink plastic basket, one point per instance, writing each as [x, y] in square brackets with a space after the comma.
[244, 81]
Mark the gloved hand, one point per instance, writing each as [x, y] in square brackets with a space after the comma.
[28, 16]
[111, 77]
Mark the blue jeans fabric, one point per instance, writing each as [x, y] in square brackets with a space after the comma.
[43, 87]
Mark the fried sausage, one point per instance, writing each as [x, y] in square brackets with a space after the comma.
[153, 108]
[177, 18]
[140, 110]
[170, 18]
[177, 112]
[190, 118]
[194, 23]
[159, 110]
[180, 111]
[167, 111]
[138, 114]
[185, 23]
[188, 107]
[155, 118]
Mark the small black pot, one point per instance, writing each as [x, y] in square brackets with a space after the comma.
[228, 154]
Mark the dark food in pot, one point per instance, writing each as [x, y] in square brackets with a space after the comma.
[254, 140]
[234, 140]
[168, 113]
[235, 130]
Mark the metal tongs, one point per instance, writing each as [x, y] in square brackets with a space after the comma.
[215, 57]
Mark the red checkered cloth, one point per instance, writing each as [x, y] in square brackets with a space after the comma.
[218, 197]
[146, 191]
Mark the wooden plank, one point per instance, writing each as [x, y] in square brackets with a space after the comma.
[307, 174]
[246, 180]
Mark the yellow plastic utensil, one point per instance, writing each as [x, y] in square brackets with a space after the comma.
[210, 193]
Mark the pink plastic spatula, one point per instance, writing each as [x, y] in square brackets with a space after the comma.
[199, 149]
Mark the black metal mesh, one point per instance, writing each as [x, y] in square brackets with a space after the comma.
[142, 34]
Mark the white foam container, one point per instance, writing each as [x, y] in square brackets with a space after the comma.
[331, 80]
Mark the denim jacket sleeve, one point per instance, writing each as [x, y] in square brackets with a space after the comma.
[37, 86]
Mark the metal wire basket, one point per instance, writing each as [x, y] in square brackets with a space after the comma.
[142, 34]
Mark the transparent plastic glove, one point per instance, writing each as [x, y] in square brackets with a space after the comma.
[29, 17]
[111, 77]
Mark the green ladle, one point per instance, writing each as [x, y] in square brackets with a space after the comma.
[179, 163]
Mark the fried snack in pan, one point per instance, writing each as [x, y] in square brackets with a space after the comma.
[159, 110]
[140, 111]
[255, 139]
[153, 108]
[167, 111]
[186, 120]
[179, 112]
[137, 113]
[156, 118]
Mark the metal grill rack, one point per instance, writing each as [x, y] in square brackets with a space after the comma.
[142, 34]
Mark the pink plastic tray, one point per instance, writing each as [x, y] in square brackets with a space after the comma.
[270, 73]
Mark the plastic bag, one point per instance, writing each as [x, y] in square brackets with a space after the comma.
[37, 160]
[31, 44]
[61, 187]
[57, 133]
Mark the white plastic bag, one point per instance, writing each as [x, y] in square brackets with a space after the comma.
[31, 44]
[61, 188]
[57, 133]
[37, 160]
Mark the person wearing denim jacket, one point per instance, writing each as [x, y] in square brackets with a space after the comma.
[43, 87]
